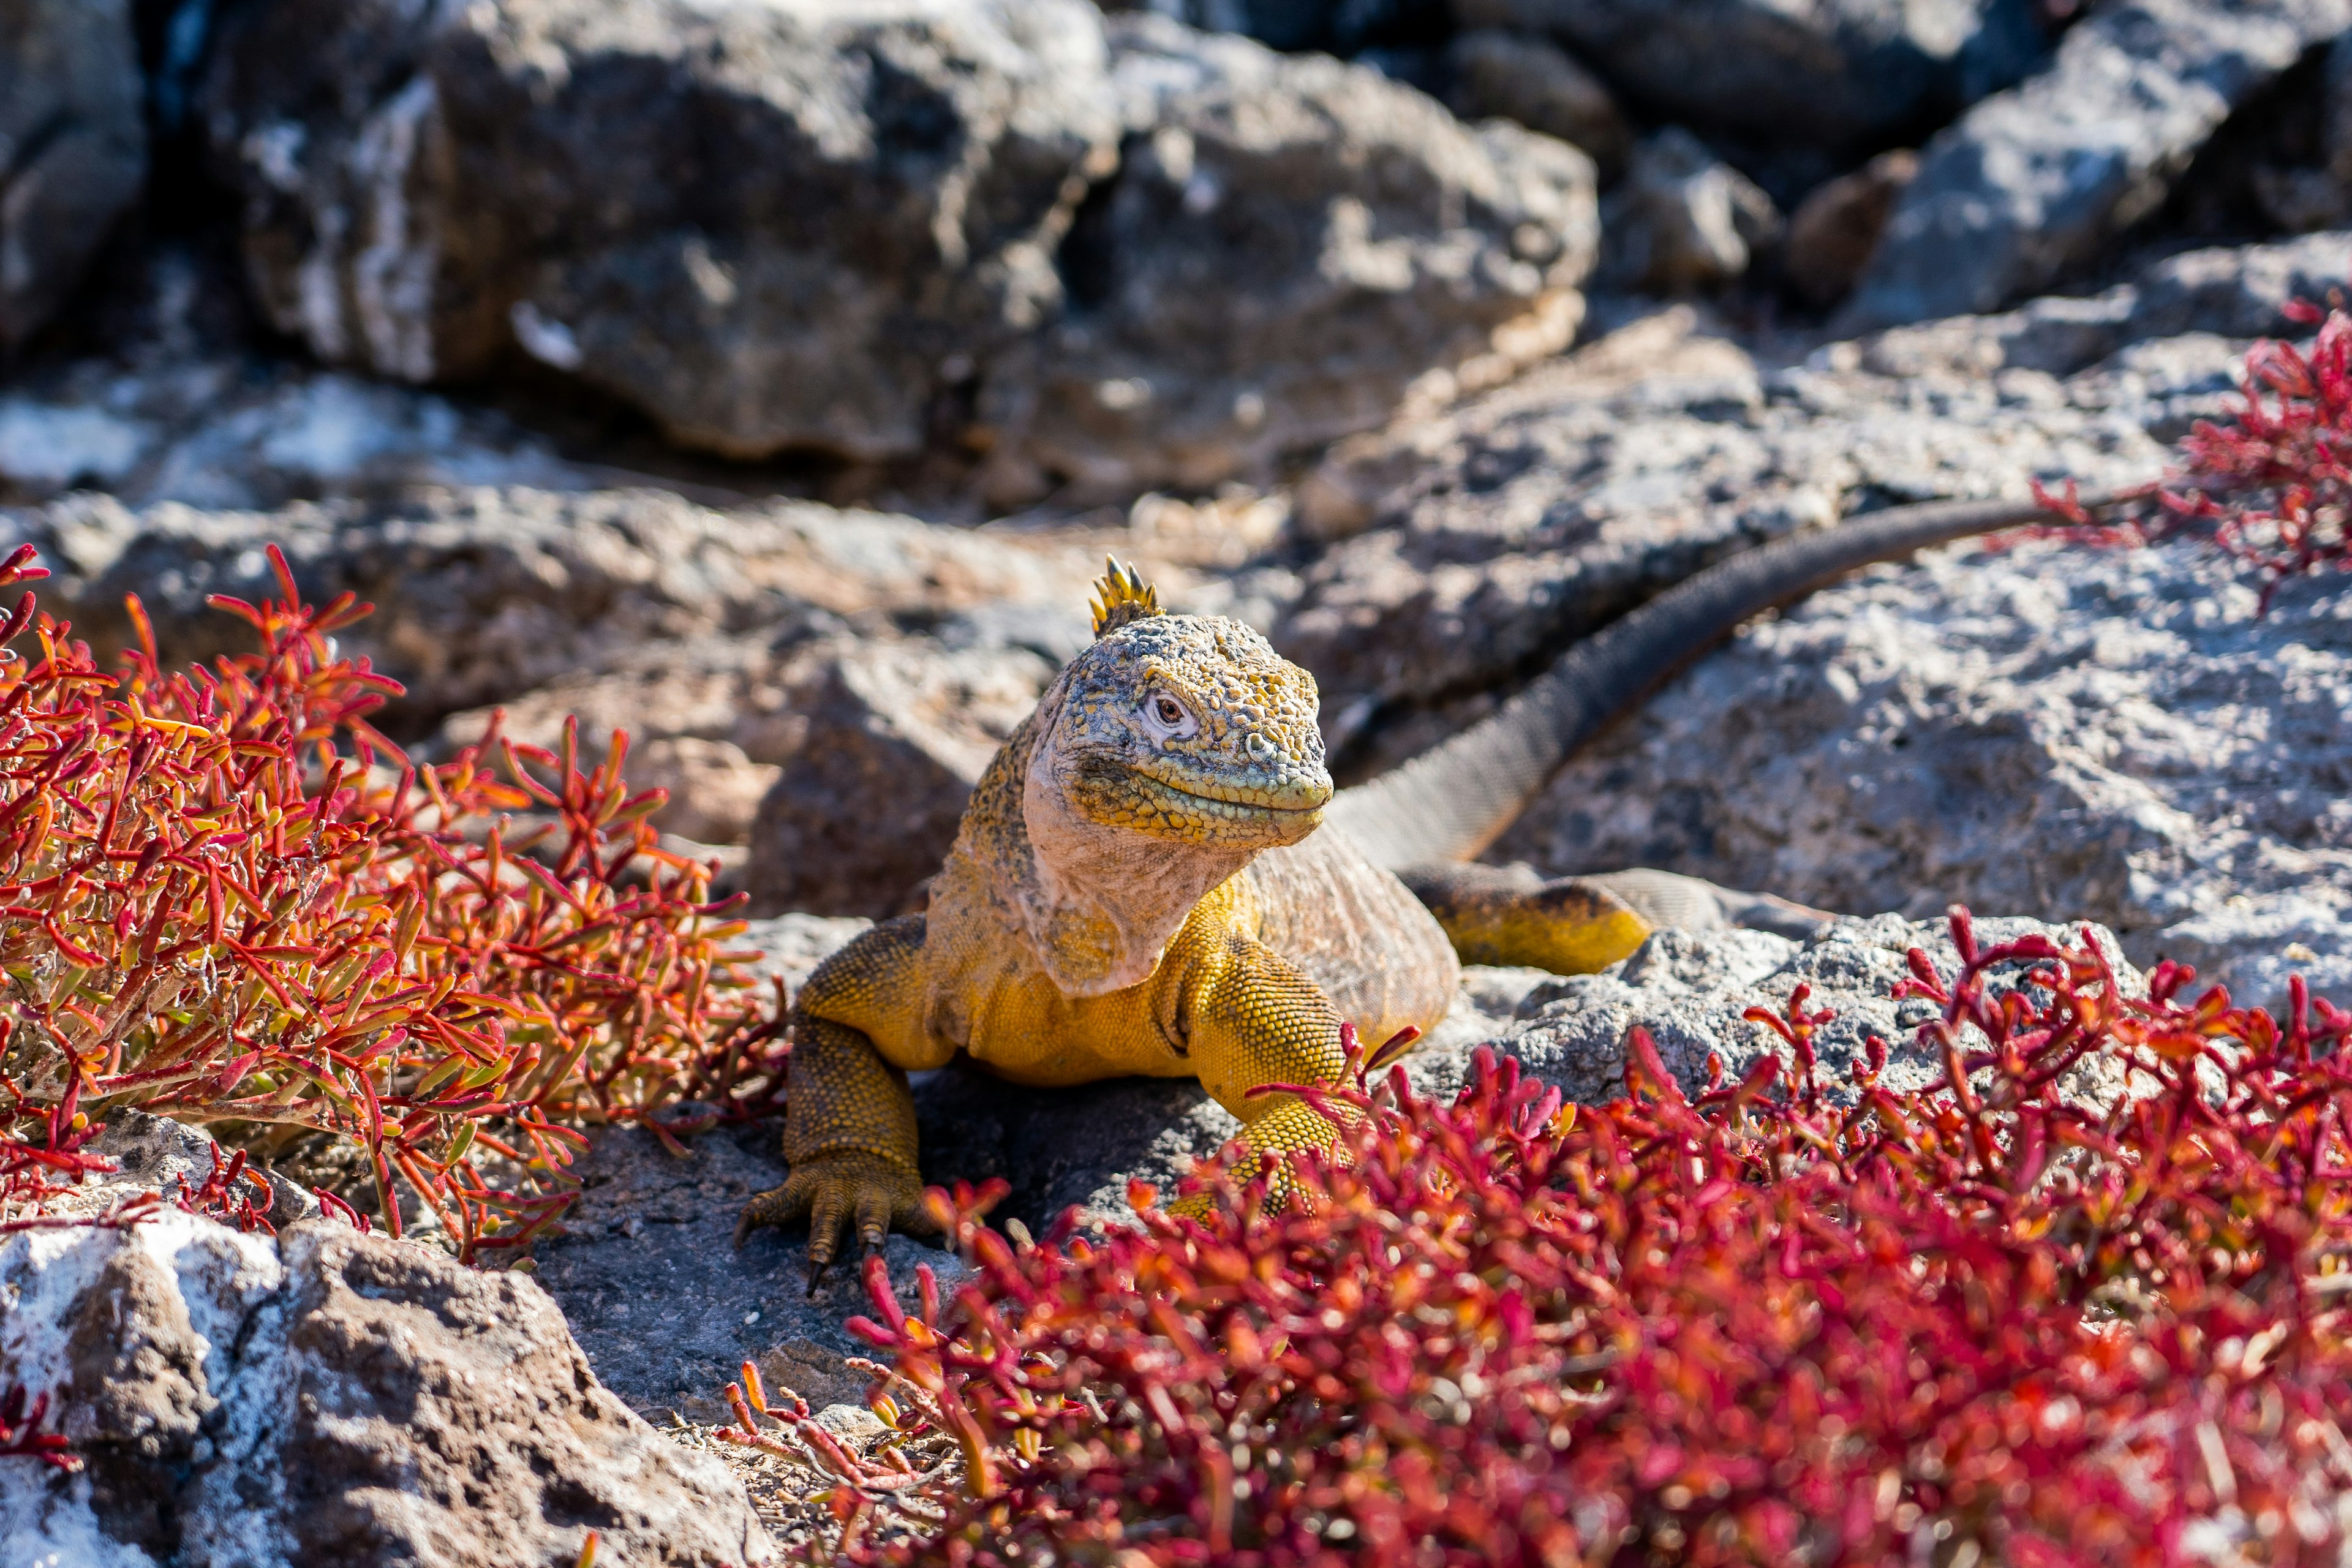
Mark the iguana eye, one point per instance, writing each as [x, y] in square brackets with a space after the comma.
[1167, 717]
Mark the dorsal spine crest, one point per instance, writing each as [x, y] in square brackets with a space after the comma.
[1122, 596]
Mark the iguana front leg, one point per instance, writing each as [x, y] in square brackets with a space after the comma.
[1254, 1020]
[849, 1138]
[849, 1122]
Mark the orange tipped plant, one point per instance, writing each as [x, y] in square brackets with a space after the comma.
[2270, 485]
[1982, 1322]
[226, 898]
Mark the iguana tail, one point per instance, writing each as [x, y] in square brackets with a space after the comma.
[1452, 801]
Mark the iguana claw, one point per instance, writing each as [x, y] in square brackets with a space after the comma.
[829, 1191]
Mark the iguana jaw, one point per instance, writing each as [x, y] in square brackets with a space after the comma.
[1240, 814]
[1187, 731]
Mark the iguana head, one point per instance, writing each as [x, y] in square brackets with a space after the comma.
[1167, 754]
[1187, 727]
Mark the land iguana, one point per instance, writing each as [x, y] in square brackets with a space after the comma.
[1154, 875]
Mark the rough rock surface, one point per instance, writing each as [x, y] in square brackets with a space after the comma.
[483, 595]
[1527, 78]
[73, 148]
[1289, 247]
[880, 747]
[247, 434]
[1683, 220]
[769, 225]
[1688, 989]
[1831, 76]
[2107, 736]
[2316, 192]
[328, 1397]
[667, 1309]
[2035, 179]
[1493, 535]
[156, 1154]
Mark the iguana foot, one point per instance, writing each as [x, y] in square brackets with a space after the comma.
[1574, 925]
[832, 1191]
[1508, 915]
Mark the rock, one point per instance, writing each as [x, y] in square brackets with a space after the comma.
[714, 789]
[1527, 78]
[2318, 197]
[883, 747]
[1493, 535]
[667, 1309]
[1689, 989]
[1837, 226]
[2201, 302]
[483, 595]
[1684, 220]
[73, 148]
[2036, 180]
[2111, 736]
[1476, 542]
[1837, 77]
[328, 1397]
[231, 434]
[769, 226]
[154, 1153]
[1290, 247]
[2238, 291]
[792, 946]
[1334, 27]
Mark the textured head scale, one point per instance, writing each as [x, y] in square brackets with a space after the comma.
[1187, 727]
[1172, 751]
[1120, 596]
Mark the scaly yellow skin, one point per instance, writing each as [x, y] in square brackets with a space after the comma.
[1138, 888]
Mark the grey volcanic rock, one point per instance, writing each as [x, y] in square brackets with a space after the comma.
[1690, 989]
[329, 1396]
[1834, 77]
[156, 1154]
[667, 1309]
[1527, 78]
[1475, 543]
[2107, 736]
[249, 435]
[483, 595]
[73, 148]
[785, 224]
[2033, 181]
[1497, 533]
[2319, 194]
[880, 750]
[1683, 220]
[1289, 245]
[798, 226]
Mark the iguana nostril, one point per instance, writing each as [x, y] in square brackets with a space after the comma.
[1258, 746]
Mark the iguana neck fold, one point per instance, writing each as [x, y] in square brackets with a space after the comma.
[1100, 901]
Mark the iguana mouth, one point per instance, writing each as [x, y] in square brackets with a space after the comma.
[1288, 800]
